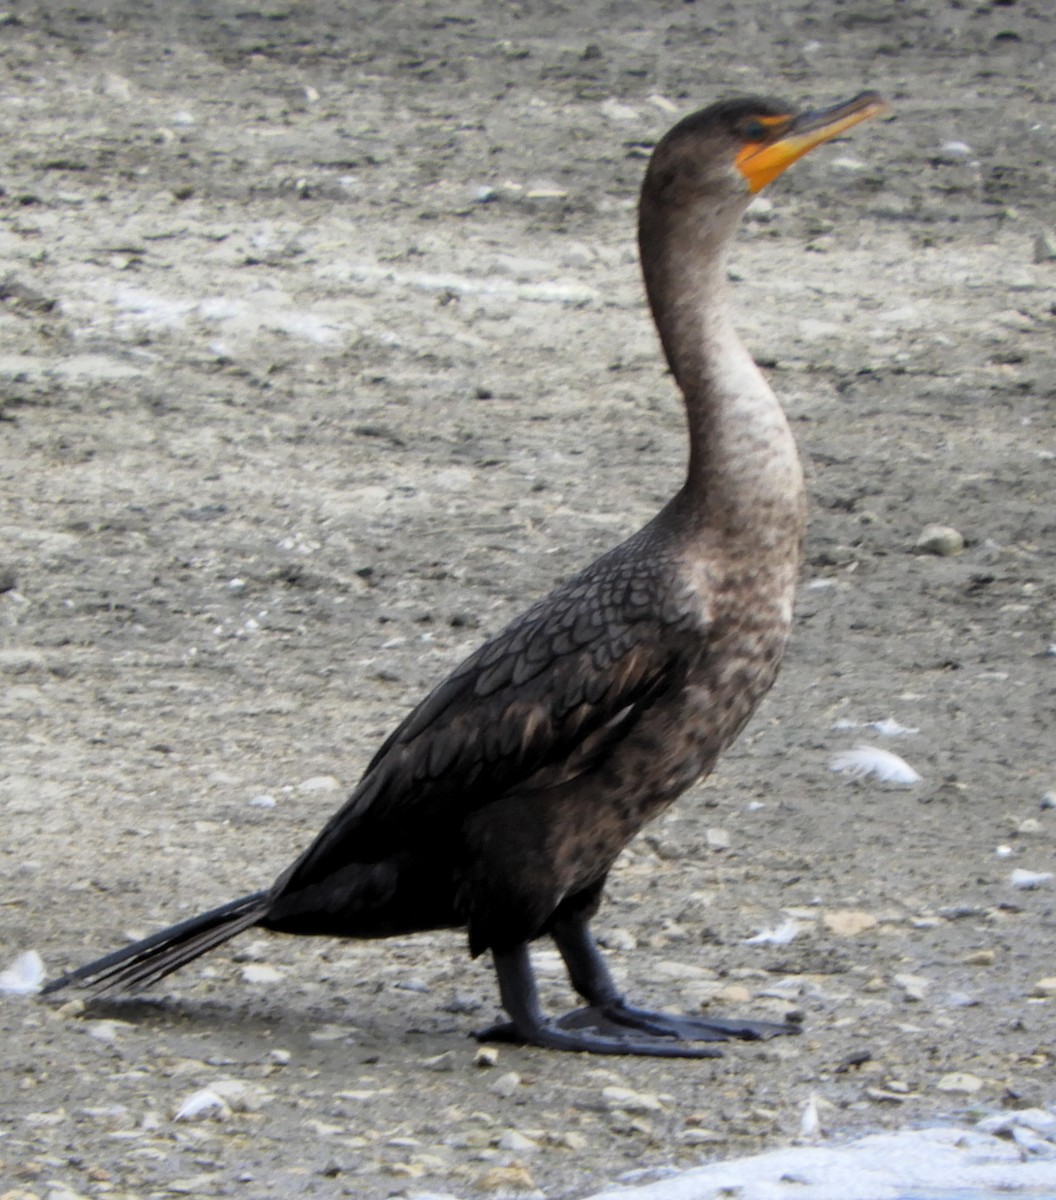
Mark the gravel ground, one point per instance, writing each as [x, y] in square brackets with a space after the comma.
[322, 350]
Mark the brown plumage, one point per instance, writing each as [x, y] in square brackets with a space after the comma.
[503, 799]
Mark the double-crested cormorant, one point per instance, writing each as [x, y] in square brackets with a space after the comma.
[505, 797]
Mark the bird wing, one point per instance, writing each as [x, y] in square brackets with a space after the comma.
[538, 704]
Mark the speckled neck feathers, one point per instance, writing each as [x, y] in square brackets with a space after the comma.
[744, 481]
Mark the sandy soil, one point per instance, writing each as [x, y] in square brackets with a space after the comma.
[323, 350]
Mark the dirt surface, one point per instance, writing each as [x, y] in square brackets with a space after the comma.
[323, 351]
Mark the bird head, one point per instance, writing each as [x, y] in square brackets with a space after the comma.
[733, 149]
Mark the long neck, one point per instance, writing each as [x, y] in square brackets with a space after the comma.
[744, 478]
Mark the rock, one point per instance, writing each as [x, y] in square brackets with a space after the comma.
[1029, 880]
[618, 939]
[486, 1056]
[330, 1033]
[734, 993]
[261, 973]
[960, 1083]
[954, 152]
[440, 1062]
[1045, 988]
[1044, 248]
[506, 1085]
[506, 1179]
[1028, 826]
[570, 1139]
[252, 952]
[718, 839]
[679, 972]
[848, 922]
[914, 987]
[942, 540]
[981, 958]
[700, 1137]
[630, 1101]
[761, 209]
[319, 783]
[961, 1000]
[519, 1143]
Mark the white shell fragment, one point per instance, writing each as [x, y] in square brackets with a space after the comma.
[864, 761]
[780, 936]
[1028, 880]
[24, 976]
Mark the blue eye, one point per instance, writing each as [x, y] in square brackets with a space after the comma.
[753, 131]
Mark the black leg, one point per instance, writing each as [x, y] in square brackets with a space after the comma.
[608, 1011]
[529, 1025]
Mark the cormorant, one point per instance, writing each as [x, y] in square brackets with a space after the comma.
[502, 801]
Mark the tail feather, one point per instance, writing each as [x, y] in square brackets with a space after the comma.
[147, 961]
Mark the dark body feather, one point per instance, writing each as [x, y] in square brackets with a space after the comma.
[511, 789]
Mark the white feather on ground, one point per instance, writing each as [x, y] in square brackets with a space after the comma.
[888, 727]
[24, 976]
[865, 761]
[780, 936]
[201, 1103]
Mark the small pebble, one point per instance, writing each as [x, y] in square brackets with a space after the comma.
[506, 1085]
[440, 1062]
[519, 1143]
[942, 540]
[1044, 248]
[952, 152]
[1046, 988]
[1048, 801]
[961, 1000]
[618, 939]
[486, 1056]
[506, 1179]
[1029, 880]
[848, 922]
[981, 958]
[960, 1083]
[320, 783]
[761, 209]
[630, 1101]
[261, 973]
[914, 987]
[718, 839]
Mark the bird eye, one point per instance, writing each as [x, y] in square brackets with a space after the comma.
[753, 131]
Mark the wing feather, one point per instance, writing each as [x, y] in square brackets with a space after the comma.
[542, 700]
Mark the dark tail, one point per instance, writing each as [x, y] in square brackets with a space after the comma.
[145, 962]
